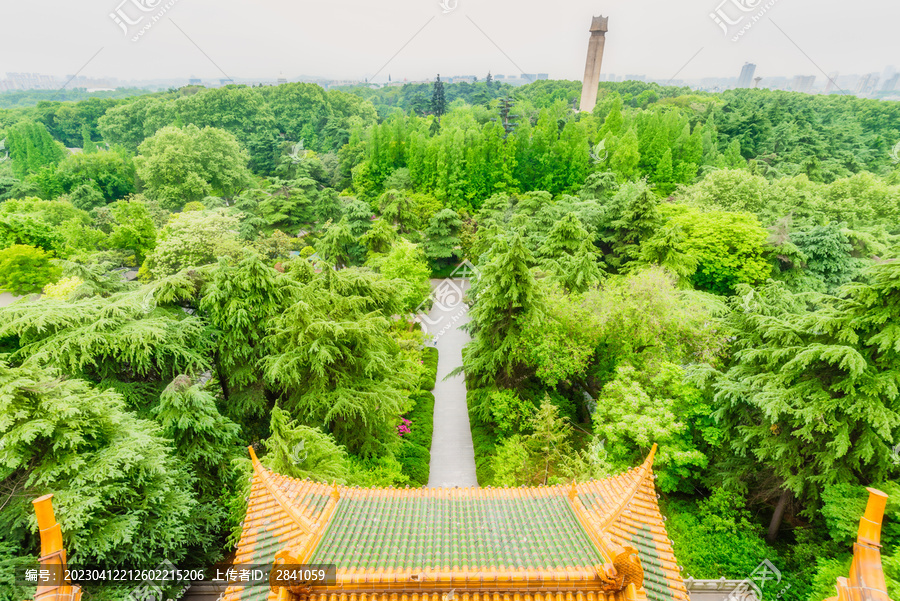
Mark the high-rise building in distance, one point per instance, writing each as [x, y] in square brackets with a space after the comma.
[747, 73]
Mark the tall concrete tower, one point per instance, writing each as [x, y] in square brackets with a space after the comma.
[594, 60]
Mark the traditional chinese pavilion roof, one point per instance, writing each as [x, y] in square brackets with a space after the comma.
[595, 541]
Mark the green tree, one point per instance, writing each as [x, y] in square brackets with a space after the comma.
[336, 244]
[438, 100]
[537, 458]
[729, 248]
[26, 269]
[110, 172]
[626, 157]
[240, 300]
[336, 364]
[809, 399]
[133, 228]
[118, 490]
[177, 166]
[192, 239]
[131, 335]
[86, 197]
[442, 235]
[380, 237]
[505, 296]
[31, 147]
[204, 439]
[302, 451]
[406, 261]
[629, 219]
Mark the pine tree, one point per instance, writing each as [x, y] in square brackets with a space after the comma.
[335, 363]
[505, 295]
[301, 451]
[122, 498]
[204, 439]
[442, 235]
[240, 301]
[438, 101]
[336, 243]
[811, 399]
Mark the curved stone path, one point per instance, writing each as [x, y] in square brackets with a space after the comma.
[452, 452]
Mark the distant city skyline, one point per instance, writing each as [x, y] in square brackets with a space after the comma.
[874, 84]
[356, 40]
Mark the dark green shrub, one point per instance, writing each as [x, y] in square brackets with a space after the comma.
[415, 461]
[484, 439]
[429, 378]
[414, 454]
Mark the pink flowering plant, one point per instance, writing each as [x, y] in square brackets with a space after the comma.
[403, 426]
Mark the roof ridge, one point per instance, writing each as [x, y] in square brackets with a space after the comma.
[641, 474]
[265, 476]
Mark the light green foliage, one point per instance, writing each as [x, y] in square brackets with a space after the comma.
[118, 491]
[26, 269]
[62, 289]
[609, 326]
[843, 503]
[130, 333]
[41, 223]
[31, 147]
[636, 410]
[406, 262]
[509, 411]
[192, 240]
[733, 541]
[728, 248]
[539, 457]
[177, 166]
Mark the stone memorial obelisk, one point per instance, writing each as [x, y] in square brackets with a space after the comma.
[594, 60]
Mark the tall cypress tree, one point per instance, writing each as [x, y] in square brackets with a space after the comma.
[438, 101]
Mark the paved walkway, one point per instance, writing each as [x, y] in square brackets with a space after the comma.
[452, 453]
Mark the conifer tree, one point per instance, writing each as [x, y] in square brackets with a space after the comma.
[240, 301]
[505, 295]
[442, 235]
[204, 439]
[438, 101]
[811, 397]
[120, 495]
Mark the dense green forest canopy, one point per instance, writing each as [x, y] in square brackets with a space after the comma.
[715, 273]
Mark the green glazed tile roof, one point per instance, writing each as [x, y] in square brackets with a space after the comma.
[457, 528]
[376, 535]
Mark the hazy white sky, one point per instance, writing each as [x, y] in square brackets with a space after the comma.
[355, 38]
